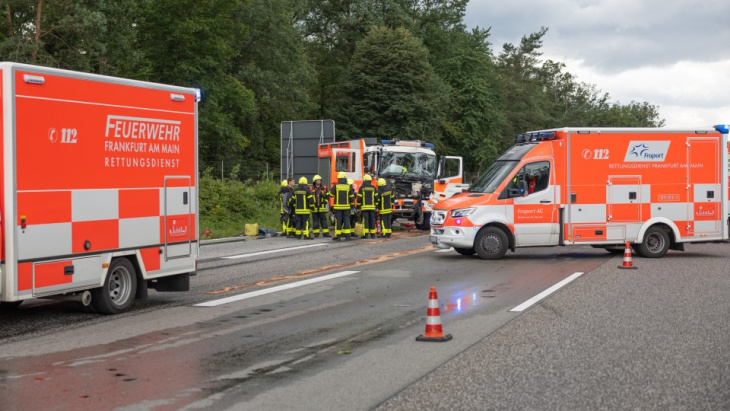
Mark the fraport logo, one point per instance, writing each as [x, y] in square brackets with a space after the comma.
[647, 151]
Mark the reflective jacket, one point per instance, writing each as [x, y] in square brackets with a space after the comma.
[343, 195]
[302, 200]
[385, 200]
[367, 197]
[321, 197]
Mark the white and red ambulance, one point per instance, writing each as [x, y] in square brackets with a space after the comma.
[655, 188]
[98, 189]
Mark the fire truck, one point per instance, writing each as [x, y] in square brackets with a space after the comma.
[418, 179]
[655, 188]
[98, 189]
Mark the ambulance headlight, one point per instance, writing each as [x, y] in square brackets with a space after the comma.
[462, 212]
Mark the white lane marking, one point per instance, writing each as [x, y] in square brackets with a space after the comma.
[240, 297]
[279, 250]
[527, 304]
[444, 250]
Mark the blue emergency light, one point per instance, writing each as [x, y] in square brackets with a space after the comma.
[723, 128]
[547, 135]
[407, 143]
[520, 138]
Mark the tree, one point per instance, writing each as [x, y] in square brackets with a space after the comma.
[191, 43]
[392, 89]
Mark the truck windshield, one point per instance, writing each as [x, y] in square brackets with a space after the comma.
[417, 165]
[497, 172]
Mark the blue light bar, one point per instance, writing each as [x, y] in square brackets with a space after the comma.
[429, 145]
[723, 128]
[520, 138]
[547, 135]
[386, 142]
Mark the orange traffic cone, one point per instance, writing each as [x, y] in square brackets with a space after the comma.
[434, 332]
[628, 263]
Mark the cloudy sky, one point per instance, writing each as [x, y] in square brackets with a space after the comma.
[674, 54]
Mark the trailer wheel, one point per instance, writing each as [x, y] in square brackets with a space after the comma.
[491, 244]
[655, 244]
[465, 251]
[120, 286]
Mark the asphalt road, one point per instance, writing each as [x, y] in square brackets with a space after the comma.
[652, 338]
[611, 339]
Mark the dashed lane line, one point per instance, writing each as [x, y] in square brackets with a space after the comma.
[252, 294]
[529, 303]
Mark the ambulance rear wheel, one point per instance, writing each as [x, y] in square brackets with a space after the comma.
[120, 286]
[9, 305]
[465, 251]
[491, 244]
[655, 244]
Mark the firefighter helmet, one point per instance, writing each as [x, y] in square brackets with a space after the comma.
[367, 177]
[317, 177]
[283, 183]
[341, 174]
[381, 181]
[302, 180]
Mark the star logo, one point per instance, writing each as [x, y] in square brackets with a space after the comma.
[639, 150]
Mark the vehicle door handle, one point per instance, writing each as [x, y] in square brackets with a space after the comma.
[545, 201]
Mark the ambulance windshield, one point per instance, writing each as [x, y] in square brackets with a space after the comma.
[493, 177]
[500, 169]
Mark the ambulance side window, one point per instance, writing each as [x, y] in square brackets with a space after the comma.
[535, 175]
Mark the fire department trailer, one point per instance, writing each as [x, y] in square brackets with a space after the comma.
[653, 187]
[98, 189]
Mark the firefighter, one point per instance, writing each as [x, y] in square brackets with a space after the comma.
[319, 212]
[353, 207]
[367, 199]
[343, 198]
[290, 221]
[302, 202]
[284, 196]
[385, 207]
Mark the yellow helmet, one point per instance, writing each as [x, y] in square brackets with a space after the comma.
[350, 182]
[381, 181]
[367, 177]
[283, 183]
[317, 177]
[302, 180]
[341, 174]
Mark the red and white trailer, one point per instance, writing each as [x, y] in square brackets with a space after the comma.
[98, 195]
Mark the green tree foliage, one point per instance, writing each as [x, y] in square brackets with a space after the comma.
[392, 90]
[395, 68]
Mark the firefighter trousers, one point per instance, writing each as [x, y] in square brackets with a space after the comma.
[385, 224]
[320, 223]
[368, 222]
[343, 223]
[301, 225]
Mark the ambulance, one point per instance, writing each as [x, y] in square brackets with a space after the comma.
[655, 188]
[98, 192]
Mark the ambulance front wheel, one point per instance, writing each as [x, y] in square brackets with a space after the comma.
[655, 244]
[491, 243]
[117, 294]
